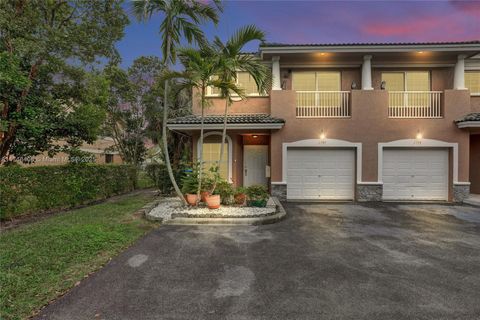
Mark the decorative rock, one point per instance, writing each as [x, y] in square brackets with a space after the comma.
[279, 191]
[171, 208]
[369, 192]
[460, 192]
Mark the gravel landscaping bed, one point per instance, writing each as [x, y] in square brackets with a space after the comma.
[170, 208]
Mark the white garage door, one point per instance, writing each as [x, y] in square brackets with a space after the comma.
[320, 174]
[415, 174]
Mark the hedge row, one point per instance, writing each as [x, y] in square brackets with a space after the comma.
[33, 189]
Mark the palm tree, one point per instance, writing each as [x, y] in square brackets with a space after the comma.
[181, 19]
[231, 60]
[201, 66]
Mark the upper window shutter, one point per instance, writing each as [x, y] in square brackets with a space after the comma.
[304, 81]
[472, 81]
[247, 83]
[328, 81]
[418, 81]
[394, 81]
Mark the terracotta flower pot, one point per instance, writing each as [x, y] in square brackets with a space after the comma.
[191, 199]
[204, 195]
[240, 198]
[213, 201]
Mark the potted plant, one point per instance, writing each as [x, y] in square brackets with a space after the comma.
[240, 195]
[190, 185]
[257, 196]
[207, 186]
[212, 198]
[226, 192]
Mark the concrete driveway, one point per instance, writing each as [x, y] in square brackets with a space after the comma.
[322, 262]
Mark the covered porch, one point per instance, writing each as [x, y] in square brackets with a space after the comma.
[246, 159]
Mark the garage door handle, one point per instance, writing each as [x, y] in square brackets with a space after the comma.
[245, 172]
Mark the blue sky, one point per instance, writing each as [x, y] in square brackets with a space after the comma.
[326, 22]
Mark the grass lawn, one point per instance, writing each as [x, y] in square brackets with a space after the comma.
[40, 261]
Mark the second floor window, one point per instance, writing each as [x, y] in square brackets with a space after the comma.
[316, 81]
[472, 82]
[244, 81]
[408, 89]
[407, 81]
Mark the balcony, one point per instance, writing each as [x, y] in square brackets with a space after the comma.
[322, 104]
[415, 104]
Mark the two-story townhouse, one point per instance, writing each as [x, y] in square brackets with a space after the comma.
[365, 122]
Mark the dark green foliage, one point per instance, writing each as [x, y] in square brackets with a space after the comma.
[189, 181]
[27, 190]
[257, 196]
[158, 173]
[46, 92]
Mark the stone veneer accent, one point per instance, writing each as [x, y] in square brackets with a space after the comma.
[279, 191]
[460, 192]
[369, 192]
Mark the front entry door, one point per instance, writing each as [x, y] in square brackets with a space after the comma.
[255, 159]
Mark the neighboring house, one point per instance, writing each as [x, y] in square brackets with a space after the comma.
[100, 148]
[366, 122]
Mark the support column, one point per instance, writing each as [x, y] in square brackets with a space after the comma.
[459, 78]
[367, 73]
[276, 83]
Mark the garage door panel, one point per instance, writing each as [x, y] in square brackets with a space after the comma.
[328, 174]
[415, 174]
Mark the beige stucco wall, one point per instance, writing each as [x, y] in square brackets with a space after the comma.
[475, 103]
[369, 124]
[217, 105]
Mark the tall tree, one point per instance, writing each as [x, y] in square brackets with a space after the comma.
[130, 93]
[181, 19]
[232, 60]
[49, 43]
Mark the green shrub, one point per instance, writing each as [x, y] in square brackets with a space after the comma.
[257, 196]
[26, 190]
[158, 173]
[226, 191]
[190, 181]
[144, 181]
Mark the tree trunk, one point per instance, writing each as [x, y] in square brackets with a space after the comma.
[164, 131]
[222, 145]
[200, 152]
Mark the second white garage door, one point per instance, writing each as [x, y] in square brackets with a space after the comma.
[320, 174]
[415, 174]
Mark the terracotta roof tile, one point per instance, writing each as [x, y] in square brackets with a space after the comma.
[234, 118]
[475, 116]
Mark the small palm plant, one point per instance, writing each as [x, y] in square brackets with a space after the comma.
[232, 60]
[200, 68]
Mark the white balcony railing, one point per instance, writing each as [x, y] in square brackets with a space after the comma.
[414, 104]
[323, 104]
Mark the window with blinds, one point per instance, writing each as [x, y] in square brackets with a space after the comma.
[472, 82]
[244, 81]
[322, 88]
[316, 81]
[211, 154]
[405, 82]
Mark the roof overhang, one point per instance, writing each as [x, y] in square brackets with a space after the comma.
[218, 126]
[468, 124]
[473, 48]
